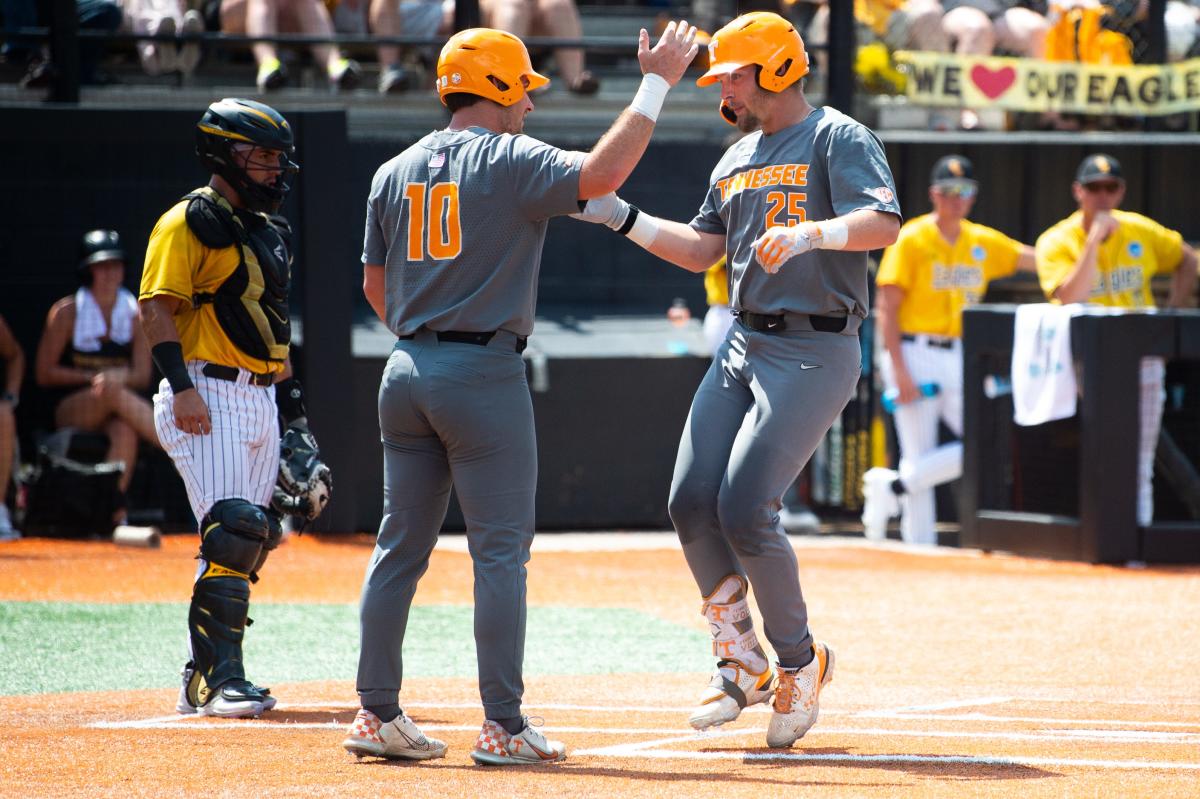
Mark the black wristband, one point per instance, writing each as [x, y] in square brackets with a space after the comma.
[289, 396]
[630, 218]
[168, 357]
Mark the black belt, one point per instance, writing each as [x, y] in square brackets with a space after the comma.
[765, 323]
[467, 337]
[933, 341]
[231, 373]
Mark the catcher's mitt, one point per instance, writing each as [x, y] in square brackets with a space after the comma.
[305, 483]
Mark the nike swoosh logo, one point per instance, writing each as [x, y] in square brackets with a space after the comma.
[810, 366]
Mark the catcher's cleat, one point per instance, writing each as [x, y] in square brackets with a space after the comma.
[398, 739]
[184, 706]
[731, 690]
[880, 502]
[797, 697]
[497, 747]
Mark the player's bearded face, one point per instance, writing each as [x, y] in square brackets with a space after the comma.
[741, 93]
[512, 117]
[264, 166]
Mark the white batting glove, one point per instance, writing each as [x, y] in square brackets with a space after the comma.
[778, 245]
[609, 210]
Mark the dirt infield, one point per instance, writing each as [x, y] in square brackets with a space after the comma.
[958, 675]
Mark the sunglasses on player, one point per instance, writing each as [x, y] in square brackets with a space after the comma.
[963, 190]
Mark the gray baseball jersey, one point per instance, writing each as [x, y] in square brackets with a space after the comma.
[450, 219]
[457, 221]
[826, 166]
[769, 397]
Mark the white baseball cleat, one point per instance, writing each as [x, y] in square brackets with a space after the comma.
[497, 747]
[398, 739]
[797, 698]
[880, 502]
[732, 689]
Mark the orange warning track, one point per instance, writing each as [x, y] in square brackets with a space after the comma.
[957, 675]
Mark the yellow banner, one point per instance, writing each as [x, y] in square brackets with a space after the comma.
[1026, 84]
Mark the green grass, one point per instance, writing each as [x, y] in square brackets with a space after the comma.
[50, 647]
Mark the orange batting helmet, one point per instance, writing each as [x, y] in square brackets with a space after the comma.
[486, 62]
[763, 38]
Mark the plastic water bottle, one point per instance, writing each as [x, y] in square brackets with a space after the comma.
[996, 386]
[892, 394]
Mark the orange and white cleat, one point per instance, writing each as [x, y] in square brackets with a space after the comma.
[398, 739]
[497, 747]
[797, 698]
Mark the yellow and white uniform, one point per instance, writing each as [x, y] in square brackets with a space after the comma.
[1139, 249]
[939, 279]
[240, 458]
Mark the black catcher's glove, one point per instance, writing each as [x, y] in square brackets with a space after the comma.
[304, 483]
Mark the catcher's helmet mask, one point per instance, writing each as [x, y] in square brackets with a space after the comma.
[226, 138]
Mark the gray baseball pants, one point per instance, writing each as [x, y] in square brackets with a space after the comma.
[453, 413]
[758, 416]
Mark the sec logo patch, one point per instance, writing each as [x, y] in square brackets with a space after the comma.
[883, 194]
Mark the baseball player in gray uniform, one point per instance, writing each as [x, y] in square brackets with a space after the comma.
[794, 206]
[454, 233]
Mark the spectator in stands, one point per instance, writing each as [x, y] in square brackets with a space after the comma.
[14, 370]
[165, 18]
[100, 15]
[966, 27]
[556, 18]
[425, 18]
[94, 349]
[271, 17]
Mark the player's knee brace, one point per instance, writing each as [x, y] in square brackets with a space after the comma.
[234, 533]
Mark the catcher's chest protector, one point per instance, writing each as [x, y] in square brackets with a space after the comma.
[252, 304]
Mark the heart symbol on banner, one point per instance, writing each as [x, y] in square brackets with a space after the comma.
[993, 82]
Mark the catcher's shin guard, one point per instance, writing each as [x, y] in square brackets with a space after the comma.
[233, 534]
[743, 675]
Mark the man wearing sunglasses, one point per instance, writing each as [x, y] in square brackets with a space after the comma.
[941, 263]
[1106, 256]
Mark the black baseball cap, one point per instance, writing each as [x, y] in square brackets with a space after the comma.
[100, 245]
[952, 170]
[1098, 167]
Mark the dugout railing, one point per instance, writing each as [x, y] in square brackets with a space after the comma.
[1068, 489]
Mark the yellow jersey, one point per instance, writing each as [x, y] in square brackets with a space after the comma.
[939, 278]
[178, 265]
[716, 283]
[1138, 250]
